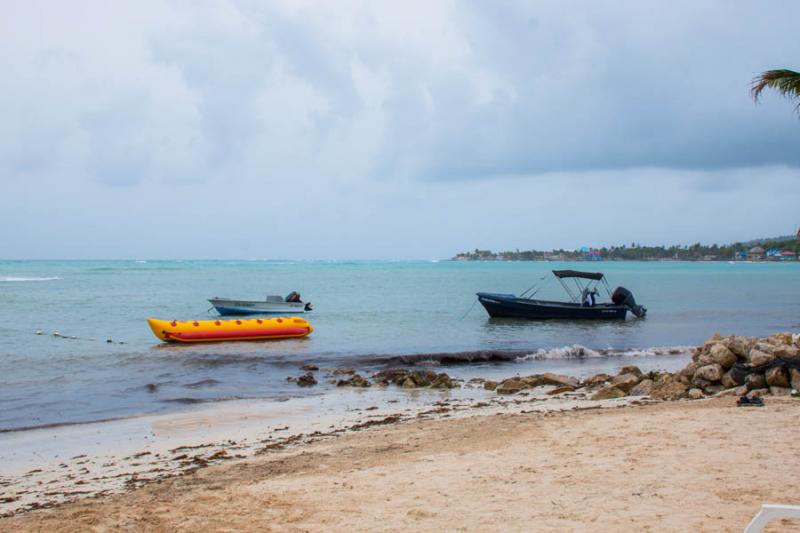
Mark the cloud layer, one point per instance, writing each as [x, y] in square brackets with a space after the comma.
[371, 113]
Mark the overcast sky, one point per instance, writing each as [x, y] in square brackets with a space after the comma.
[255, 129]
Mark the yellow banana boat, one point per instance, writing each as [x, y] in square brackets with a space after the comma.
[251, 329]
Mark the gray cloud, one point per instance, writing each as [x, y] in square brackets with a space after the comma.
[374, 110]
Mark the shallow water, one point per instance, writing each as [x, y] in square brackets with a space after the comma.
[366, 314]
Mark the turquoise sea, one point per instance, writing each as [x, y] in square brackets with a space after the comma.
[367, 314]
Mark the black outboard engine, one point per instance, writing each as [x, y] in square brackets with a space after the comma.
[623, 296]
[293, 296]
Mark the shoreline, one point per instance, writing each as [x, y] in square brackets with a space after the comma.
[100, 459]
[617, 464]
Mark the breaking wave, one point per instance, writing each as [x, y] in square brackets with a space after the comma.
[23, 278]
[576, 351]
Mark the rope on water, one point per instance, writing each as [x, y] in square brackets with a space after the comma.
[471, 307]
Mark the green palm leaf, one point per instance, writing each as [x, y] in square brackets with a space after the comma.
[786, 82]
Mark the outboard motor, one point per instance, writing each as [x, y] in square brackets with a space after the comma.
[623, 296]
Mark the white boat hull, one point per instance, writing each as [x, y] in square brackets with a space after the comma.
[246, 307]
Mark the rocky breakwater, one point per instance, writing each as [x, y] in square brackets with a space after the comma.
[732, 365]
[767, 365]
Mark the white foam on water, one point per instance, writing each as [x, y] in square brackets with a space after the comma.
[23, 278]
[576, 351]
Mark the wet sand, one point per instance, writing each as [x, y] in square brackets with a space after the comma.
[518, 463]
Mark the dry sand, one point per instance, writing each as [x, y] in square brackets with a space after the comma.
[680, 466]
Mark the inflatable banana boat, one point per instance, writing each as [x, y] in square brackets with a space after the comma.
[253, 329]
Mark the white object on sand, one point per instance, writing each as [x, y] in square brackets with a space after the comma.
[768, 512]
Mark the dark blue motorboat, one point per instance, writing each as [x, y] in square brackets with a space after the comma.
[582, 306]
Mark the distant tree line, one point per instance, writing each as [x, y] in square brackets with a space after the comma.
[633, 252]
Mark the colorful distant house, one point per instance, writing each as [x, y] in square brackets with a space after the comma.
[589, 254]
[593, 255]
[787, 255]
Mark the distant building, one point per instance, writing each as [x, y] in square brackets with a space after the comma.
[756, 253]
[593, 255]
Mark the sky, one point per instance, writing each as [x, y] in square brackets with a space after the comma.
[390, 130]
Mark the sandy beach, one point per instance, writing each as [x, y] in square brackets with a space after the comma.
[598, 466]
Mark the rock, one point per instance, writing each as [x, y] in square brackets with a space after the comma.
[309, 366]
[511, 386]
[391, 375]
[713, 389]
[777, 376]
[631, 369]
[727, 380]
[689, 370]
[740, 346]
[721, 355]
[794, 378]
[560, 390]
[741, 390]
[788, 352]
[537, 380]
[667, 387]
[643, 388]
[343, 370]
[699, 383]
[694, 394]
[354, 381]
[608, 392]
[490, 385]
[758, 357]
[423, 378]
[755, 381]
[625, 382]
[712, 372]
[306, 380]
[757, 392]
[597, 379]
[443, 381]
[765, 347]
[715, 338]
[409, 384]
[780, 391]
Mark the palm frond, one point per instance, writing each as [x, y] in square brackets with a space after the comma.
[786, 82]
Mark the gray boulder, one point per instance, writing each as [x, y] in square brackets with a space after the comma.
[625, 382]
[727, 380]
[721, 355]
[597, 379]
[712, 372]
[511, 386]
[777, 376]
[740, 346]
[760, 357]
[755, 381]
[631, 369]
[608, 392]
[794, 378]
[643, 388]
[694, 394]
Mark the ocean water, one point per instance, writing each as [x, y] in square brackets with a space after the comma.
[367, 314]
